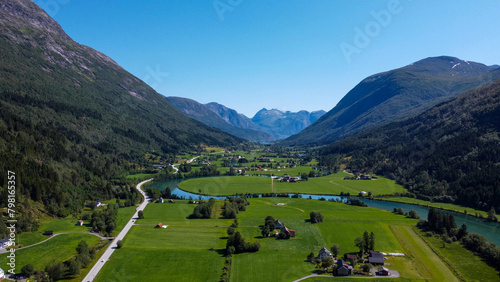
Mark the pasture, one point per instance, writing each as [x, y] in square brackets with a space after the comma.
[58, 249]
[333, 184]
[192, 249]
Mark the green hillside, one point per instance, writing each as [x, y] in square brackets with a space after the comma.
[71, 119]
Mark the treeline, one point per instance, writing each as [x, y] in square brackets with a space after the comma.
[447, 154]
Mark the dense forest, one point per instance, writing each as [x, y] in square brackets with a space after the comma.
[450, 153]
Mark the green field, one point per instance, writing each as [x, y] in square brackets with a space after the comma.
[332, 184]
[464, 262]
[57, 249]
[191, 250]
[444, 206]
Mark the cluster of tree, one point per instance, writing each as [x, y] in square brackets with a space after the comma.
[479, 244]
[268, 227]
[233, 205]
[356, 202]
[185, 167]
[315, 217]
[204, 209]
[365, 243]
[103, 221]
[440, 223]
[127, 196]
[410, 214]
[492, 215]
[434, 155]
[236, 244]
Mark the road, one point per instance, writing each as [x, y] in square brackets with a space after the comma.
[109, 251]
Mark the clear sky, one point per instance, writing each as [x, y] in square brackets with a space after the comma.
[290, 55]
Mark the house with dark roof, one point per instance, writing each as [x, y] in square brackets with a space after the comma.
[48, 233]
[382, 271]
[343, 268]
[324, 253]
[80, 223]
[287, 231]
[376, 258]
[278, 224]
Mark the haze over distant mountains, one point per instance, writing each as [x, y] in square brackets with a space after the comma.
[265, 126]
[395, 95]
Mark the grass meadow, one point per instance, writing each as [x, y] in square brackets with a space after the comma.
[59, 248]
[332, 184]
[191, 249]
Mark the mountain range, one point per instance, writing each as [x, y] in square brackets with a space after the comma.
[205, 114]
[395, 95]
[265, 126]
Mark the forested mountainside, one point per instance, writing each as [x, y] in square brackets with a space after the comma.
[203, 113]
[450, 153]
[71, 119]
[395, 95]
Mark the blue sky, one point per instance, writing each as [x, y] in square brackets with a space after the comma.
[291, 55]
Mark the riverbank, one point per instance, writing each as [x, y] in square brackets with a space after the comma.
[442, 206]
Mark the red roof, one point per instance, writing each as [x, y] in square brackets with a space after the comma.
[159, 224]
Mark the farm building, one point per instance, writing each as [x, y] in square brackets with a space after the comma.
[285, 230]
[278, 224]
[324, 253]
[48, 233]
[376, 258]
[80, 223]
[159, 225]
[351, 257]
[343, 268]
[382, 271]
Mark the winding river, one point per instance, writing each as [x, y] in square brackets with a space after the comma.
[490, 230]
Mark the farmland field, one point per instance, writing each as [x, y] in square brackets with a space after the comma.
[332, 184]
[192, 249]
